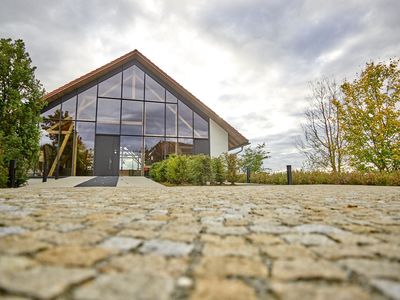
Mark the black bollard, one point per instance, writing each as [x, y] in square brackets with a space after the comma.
[248, 174]
[289, 174]
[11, 173]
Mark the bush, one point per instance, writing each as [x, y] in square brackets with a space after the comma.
[158, 171]
[177, 169]
[318, 177]
[218, 170]
[3, 168]
[232, 167]
[200, 169]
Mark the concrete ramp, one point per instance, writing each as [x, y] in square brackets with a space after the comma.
[138, 181]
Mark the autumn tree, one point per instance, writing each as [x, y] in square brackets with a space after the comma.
[253, 157]
[20, 105]
[322, 140]
[370, 116]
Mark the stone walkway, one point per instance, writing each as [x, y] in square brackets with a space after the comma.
[247, 242]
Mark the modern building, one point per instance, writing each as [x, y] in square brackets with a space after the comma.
[124, 116]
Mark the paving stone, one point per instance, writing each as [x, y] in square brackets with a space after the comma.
[11, 230]
[167, 248]
[317, 228]
[385, 250]
[264, 239]
[307, 269]
[131, 285]
[15, 263]
[308, 239]
[20, 245]
[140, 234]
[224, 230]
[274, 229]
[287, 251]
[339, 252]
[351, 238]
[72, 256]
[230, 266]
[120, 243]
[388, 287]
[43, 282]
[230, 245]
[305, 290]
[219, 289]
[148, 263]
[373, 268]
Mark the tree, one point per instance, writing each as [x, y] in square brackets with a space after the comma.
[20, 105]
[231, 162]
[322, 142]
[370, 116]
[253, 158]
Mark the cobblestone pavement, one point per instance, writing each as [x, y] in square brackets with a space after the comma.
[245, 242]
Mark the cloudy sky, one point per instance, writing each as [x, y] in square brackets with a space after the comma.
[250, 61]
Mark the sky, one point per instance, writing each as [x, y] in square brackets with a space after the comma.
[249, 61]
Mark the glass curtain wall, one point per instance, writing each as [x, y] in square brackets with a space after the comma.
[151, 121]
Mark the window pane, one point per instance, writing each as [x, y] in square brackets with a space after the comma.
[111, 87]
[108, 114]
[185, 120]
[154, 91]
[67, 132]
[171, 120]
[154, 151]
[85, 148]
[132, 117]
[130, 155]
[200, 127]
[170, 146]
[52, 113]
[87, 104]
[49, 142]
[133, 86]
[171, 98]
[69, 108]
[185, 146]
[155, 118]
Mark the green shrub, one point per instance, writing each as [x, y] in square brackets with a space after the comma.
[158, 171]
[200, 169]
[232, 167]
[218, 170]
[177, 169]
[3, 168]
[318, 177]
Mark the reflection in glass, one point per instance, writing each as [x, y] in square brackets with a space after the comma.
[66, 146]
[154, 150]
[49, 142]
[171, 120]
[52, 113]
[69, 108]
[131, 119]
[87, 104]
[111, 87]
[155, 118]
[108, 114]
[185, 146]
[85, 132]
[154, 91]
[130, 155]
[170, 98]
[185, 120]
[170, 146]
[200, 127]
[133, 85]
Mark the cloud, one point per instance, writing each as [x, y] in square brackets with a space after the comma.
[248, 60]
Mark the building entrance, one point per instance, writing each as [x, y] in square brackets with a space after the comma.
[106, 157]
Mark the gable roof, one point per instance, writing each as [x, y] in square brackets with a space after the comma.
[234, 137]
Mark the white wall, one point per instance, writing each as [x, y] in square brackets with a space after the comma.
[218, 140]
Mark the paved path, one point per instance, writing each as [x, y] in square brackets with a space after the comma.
[248, 242]
[127, 181]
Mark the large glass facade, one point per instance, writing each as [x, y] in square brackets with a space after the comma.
[149, 120]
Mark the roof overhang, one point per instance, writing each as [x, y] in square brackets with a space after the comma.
[235, 138]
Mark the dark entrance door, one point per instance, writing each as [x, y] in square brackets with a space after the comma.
[106, 157]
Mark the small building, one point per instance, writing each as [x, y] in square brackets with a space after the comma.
[124, 116]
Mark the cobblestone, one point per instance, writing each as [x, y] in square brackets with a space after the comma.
[243, 242]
